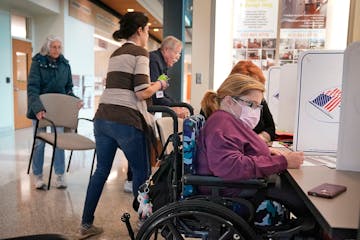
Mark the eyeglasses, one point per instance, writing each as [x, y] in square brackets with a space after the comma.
[250, 104]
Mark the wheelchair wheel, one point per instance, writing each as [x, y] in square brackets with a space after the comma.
[195, 219]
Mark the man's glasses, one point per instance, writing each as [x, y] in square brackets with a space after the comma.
[250, 104]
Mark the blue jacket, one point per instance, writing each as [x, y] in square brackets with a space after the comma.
[47, 76]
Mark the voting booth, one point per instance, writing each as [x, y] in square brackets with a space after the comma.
[348, 155]
[319, 94]
[272, 91]
[287, 97]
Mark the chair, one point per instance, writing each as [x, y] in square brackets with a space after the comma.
[61, 111]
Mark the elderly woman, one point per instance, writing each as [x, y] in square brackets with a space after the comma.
[49, 73]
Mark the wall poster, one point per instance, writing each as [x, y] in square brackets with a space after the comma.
[255, 30]
[303, 27]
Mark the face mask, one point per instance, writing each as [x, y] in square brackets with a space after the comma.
[248, 115]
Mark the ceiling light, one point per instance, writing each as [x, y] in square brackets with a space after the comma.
[130, 10]
[155, 29]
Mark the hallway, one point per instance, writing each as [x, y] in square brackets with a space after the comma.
[25, 210]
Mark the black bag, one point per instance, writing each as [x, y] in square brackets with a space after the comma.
[160, 189]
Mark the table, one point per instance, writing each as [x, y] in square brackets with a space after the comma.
[339, 217]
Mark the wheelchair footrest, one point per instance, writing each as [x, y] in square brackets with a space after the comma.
[292, 228]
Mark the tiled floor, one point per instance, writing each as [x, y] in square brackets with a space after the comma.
[25, 210]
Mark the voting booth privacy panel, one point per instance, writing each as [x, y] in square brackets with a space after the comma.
[318, 104]
[272, 91]
[287, 97]
[348, 156]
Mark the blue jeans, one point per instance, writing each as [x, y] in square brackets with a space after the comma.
[38, 155]
[108, 137]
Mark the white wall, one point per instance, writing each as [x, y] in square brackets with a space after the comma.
[79, 46]
[79, 42]
[53, 5]
[6, 89]
[223, 41]
[337, 24]
[201, 50]
[44, 25]
[211, 46]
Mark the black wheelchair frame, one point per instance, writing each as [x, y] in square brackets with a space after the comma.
[209, 217]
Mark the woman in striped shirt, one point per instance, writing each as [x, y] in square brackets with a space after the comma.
[122, 120]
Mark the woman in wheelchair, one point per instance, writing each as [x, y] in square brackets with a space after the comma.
[229, 148]
[229, 159]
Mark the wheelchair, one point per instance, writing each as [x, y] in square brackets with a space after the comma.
[191, 215]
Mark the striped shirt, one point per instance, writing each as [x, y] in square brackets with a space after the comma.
[128, 73]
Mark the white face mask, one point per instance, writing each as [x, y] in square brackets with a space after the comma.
[248, 115]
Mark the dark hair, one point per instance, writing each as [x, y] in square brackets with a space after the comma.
[129, 24]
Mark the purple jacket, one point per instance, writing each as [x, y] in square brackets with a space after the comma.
[229, 149]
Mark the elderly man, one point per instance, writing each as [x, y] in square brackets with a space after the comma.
[160, 61]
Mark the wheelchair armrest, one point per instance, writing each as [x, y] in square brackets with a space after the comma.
[218, 182]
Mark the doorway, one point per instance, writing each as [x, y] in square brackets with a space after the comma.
[21, 55]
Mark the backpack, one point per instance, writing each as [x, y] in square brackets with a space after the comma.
[160, 188]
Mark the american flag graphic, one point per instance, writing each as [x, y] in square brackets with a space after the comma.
[327, 100]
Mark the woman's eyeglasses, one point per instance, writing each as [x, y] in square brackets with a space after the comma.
[250, 104]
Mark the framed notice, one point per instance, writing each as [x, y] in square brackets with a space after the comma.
[302, 27]
[255, 28]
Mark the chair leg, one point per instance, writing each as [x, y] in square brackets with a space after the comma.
[67, 169]
[92, 165]
[51, 167]
[31, 155]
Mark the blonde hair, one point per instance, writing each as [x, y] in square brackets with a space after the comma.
[45, 48]
[235, 85]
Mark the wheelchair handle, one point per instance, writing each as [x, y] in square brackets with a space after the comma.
[168, 110]
[183, 104]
